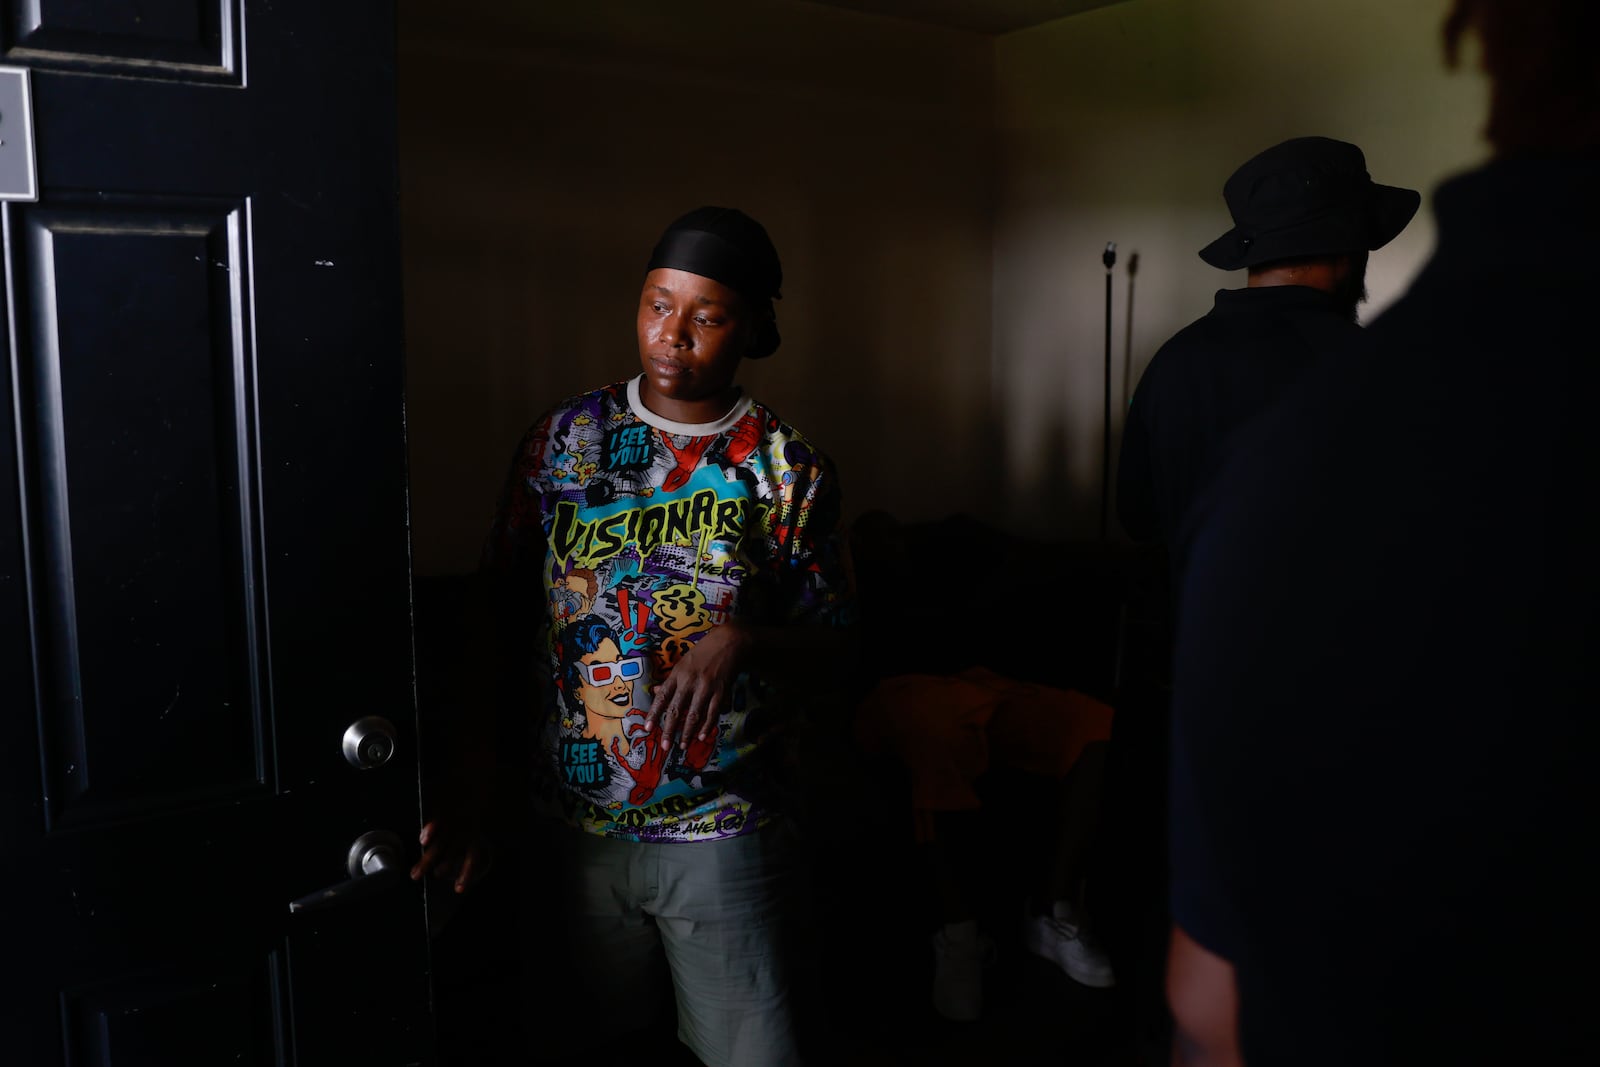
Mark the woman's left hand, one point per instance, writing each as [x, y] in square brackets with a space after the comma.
[692, 699]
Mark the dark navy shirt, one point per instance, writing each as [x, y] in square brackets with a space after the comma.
[1211, 378]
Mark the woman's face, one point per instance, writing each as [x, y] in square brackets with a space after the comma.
[693, 332]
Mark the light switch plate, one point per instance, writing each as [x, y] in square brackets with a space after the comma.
[18, 178]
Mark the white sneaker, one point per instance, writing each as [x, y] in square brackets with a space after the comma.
[1065, 942]
[960, 956]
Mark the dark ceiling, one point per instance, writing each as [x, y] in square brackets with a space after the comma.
[983, 16]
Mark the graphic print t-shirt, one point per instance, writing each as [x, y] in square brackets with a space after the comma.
[646, 534]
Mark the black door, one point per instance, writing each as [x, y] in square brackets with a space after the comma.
[203, 543]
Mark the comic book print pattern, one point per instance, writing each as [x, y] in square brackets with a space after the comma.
[645, 540]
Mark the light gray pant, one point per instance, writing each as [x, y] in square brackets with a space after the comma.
[716, 910]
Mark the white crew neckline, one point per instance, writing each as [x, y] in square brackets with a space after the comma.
[686, 429]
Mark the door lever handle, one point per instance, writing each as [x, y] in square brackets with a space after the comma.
[375, 864]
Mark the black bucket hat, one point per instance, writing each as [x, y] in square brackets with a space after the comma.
[1310, 196]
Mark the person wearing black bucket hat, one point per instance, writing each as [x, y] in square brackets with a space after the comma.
[1305, 215]
[704, 533]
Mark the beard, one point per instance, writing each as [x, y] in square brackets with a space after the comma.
[1351, 291]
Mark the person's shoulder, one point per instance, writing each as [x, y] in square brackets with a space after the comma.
[596, 407]
[613, 395]
[1199, 334]
[1181, 354]
[781, 434]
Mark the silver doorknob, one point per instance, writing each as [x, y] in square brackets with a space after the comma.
[369, 742]
[375, 863]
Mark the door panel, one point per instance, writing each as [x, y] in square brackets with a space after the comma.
[204, 563]
[136, 464]
[187, 40]
[121, 1022]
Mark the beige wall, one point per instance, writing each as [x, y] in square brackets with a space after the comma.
[940, 200]
[1121, 125]
[545, 146]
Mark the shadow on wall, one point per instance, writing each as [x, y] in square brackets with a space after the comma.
[1061, 499]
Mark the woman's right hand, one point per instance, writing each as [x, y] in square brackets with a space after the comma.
[448, 852]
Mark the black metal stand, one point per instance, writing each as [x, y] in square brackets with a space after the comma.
[1110, 260]
[1127, 336]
